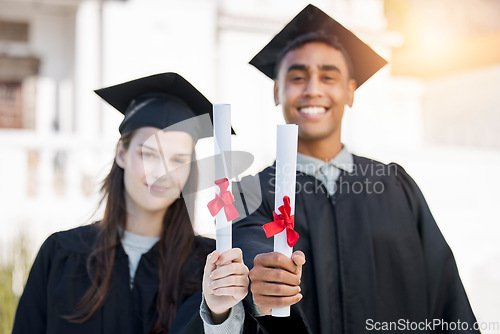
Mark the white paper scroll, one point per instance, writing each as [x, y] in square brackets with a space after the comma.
[222, 144]
[286, 166]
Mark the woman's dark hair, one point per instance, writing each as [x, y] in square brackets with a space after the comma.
[175, 245]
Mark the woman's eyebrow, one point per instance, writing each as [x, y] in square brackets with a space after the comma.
[148, 147]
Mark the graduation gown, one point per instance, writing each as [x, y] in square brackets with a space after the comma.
[374, 254]
[59, 278]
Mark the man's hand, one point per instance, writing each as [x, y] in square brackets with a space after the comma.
[275, 280]
[225, 282]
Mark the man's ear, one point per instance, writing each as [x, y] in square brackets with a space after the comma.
[351, 87]
[120, 155]
[275, 91]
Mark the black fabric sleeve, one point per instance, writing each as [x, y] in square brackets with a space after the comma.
[187, 319]
[447, 298]
[31, 315]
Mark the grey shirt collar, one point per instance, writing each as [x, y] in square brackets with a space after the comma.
[326, 172]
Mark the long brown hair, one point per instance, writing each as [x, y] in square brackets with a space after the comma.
[175, 245]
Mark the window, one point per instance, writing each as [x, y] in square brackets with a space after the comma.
[11, 108]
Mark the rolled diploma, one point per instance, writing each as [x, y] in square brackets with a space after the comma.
[222, 144]
[286, 166]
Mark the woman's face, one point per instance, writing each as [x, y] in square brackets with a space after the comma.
[156, 167]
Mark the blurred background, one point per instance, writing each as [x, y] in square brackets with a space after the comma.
[435, 109]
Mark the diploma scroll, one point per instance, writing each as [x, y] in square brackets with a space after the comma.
[286, 166]
[222, 146]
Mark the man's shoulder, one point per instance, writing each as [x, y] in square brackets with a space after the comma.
[390, 174]
[268, 172]
[360, 160]
[368, 167]
[258, 182]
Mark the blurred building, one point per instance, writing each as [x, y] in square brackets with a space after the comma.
[49, 156]
[435, 109]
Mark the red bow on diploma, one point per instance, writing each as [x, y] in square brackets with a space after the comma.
[224, 199]
[282, 221]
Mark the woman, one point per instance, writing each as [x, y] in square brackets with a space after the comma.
[140, 269]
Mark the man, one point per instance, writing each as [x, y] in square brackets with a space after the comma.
[376, 260]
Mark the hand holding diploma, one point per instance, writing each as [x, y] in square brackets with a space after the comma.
[225, 282]
[282, 228]
[275, 280]
[225, 277]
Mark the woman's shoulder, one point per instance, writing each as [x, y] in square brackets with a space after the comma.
[63, 252]
[78, 240]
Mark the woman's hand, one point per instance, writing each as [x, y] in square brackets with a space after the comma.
[225, 282]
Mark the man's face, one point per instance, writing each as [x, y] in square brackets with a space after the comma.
[313, 87]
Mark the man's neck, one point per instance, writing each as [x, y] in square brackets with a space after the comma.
[324, 150]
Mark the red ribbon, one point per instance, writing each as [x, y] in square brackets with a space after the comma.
[224, 199]
[281, 222]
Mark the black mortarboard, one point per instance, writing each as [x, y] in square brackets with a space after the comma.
[312, 19]
[160, 101]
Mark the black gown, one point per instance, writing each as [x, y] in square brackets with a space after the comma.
[374, 254]
[59, 278]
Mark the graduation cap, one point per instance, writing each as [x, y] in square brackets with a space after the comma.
[366, 62]
[162, 101]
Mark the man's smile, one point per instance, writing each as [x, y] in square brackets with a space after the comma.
[309, 110]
